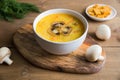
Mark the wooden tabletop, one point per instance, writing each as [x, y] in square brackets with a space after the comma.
[23, 70]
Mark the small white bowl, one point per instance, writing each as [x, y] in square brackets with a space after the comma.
[111, 16]
[60, 48]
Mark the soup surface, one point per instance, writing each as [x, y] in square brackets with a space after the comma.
[60, 27]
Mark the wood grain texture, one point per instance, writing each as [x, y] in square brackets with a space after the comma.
[75, 62]
[21, 69]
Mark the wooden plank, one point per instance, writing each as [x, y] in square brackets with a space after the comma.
[115, 32]
[21, 70]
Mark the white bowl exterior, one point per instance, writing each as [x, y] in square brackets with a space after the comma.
[60, 48]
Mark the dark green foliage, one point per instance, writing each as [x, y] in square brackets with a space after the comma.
[11, 9]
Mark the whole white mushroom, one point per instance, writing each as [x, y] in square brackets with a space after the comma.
[93, 53]
[103, 32]
[5, 55]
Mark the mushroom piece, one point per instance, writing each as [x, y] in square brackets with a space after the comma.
[57, 24]
[59, 28]
[55, 28]
[53, 31]
[93, 53]
[4, 55]
[66, 30]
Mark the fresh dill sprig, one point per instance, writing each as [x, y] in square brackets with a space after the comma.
[11, 9]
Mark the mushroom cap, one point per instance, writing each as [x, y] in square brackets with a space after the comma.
[103, 32]
[93, 53]
[4, 51]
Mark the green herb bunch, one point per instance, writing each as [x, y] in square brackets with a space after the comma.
[11, 9]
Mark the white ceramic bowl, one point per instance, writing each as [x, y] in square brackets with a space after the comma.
[113, 13]
[60, 48]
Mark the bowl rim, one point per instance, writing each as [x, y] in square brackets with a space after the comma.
[113, 11]
[74, 12]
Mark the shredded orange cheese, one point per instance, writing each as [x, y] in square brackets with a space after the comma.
[99, 11]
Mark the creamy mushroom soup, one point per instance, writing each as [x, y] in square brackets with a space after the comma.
[60, 27]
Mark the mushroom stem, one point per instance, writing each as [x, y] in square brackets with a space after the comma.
[8, 60]
[101, 58]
